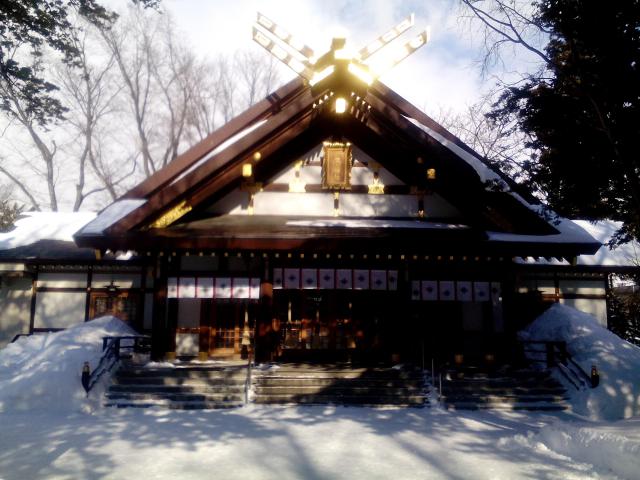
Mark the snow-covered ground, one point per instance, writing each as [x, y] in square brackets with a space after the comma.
[259, 442]
[49, 430]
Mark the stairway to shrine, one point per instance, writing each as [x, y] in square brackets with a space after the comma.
[506, 389]
[339, 384]
[188, 387]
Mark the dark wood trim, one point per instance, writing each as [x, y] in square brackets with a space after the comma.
[87, 305]
[222, 168]
[159, 308]
[359, 189]
[84, 289]
[263, 109]
[390, 97]
[34, 291]
[143, 299]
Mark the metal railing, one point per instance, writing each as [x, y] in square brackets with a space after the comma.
[115, 348]
[554, 354]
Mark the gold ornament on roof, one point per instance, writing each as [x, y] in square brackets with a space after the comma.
[365, 65]
[171, 215]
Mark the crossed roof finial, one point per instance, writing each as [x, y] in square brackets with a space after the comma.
[302, 59]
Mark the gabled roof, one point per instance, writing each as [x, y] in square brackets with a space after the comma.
[294, 119]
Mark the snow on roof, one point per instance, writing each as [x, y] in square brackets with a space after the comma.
[569, 232]
[111, 214]
[34, 226]
[224, 145]
[627, 255]
[375, 223]
[485, 173]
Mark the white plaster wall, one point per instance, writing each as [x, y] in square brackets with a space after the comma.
[307, 204]
[59, 309]
[187, 343]
[351, 204]
[583, 287]
[62, 280]
[15, 306]
[544, 285]
[312, 174]
[597, 308]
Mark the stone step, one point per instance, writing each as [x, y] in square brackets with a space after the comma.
[399, 400]
[192, 388]
[499, 390]
[175, 397]
[509, 374]
[304, 381]
[212, 373]
[480, 398]
[531, 406]
[177, 381]
[338, 375]
[334, 390]
[173, 405]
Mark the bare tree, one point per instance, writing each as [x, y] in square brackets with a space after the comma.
[89, 91]
[160, 77]
[497, 141]
[504, 24]
[257, 73]
[18, 112]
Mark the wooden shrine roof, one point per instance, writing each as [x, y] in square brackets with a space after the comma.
[286, 125]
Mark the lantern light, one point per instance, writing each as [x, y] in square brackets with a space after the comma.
[431, 174]
[247, 170]
[341, 105]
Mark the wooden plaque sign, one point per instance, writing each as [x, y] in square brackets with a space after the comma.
[336, 166]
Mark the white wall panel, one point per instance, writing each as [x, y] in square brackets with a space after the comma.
[62, 280]
[274, 203]
[597, 308]
[583, 287]
[187, 343]
[15, 306]
[59, 309]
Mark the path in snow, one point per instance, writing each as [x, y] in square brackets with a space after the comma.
[292, 443]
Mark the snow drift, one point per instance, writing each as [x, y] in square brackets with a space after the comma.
[618, 362]
[42, 372]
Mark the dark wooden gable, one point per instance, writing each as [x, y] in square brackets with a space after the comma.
[291, 121]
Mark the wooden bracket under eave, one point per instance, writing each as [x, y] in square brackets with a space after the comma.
[171, 215]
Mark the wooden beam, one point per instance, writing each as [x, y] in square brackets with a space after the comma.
[226, 162]
[261, 110]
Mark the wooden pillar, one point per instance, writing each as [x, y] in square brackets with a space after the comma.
[87, 303]
[32, 310]
[265, 341]
[173, 270]
[206, 307]
[158, 326]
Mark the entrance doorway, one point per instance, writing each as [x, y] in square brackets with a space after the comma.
[330, 324]
[230, 325]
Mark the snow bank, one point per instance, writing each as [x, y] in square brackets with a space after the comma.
[42, 372]
[618, 362]
[611, 447]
